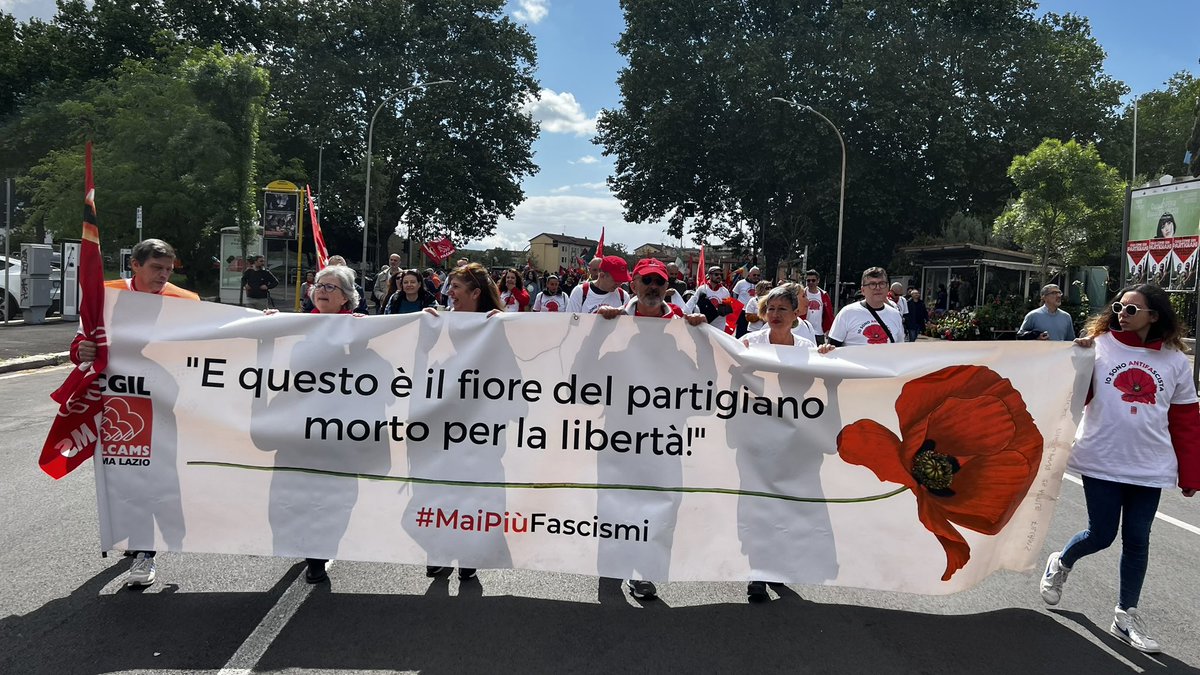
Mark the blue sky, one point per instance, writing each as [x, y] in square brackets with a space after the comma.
[1146, 43]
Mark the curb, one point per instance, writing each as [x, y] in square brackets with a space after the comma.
[37, 361]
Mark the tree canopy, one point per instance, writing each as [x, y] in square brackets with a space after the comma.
[447, 160]
[1070, 206]
[933, 97]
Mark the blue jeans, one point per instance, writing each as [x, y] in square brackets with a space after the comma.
[1133, 507]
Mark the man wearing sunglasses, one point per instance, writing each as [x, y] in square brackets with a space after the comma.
[650, 282]
[1048, 322]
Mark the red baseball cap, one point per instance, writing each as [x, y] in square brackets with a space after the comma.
[615, 267]
[650, 266]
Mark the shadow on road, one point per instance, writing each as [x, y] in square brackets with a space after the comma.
[86, 632]
[90, 633]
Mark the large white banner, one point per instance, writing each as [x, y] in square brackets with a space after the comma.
[626, 448]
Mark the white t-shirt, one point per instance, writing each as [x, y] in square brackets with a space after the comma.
[743, 290]
[716, 297]
[763, 337]
[580, 305]
[901, 305]
[1124, 436]
[816, 311]
[509, 300]
[855, 325]
[550, 303]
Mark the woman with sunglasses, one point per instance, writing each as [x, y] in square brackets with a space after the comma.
[1140, 434]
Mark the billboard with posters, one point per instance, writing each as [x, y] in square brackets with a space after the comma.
[281, 214]
[1164, 227]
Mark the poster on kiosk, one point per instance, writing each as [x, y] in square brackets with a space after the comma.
[1164, 229]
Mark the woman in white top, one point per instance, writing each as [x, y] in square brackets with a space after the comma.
[1140, 434]
[552, 299]
[780, 309]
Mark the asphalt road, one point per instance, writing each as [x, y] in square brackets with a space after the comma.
[64, 610]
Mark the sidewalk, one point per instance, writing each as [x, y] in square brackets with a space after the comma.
[36, 345]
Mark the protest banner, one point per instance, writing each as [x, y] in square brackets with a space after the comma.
[623, 448]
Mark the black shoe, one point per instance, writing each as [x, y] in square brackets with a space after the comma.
[315, 574]
[436, 570]
[756, 591]
[642, 589]
[465, 573]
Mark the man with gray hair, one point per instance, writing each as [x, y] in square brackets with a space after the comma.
[873, 321]
[1048, 322]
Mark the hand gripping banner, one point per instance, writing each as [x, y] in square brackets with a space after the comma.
[624, 448]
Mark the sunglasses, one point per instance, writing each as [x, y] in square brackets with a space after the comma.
[1129, 310]
[654, 280]
[328, 288]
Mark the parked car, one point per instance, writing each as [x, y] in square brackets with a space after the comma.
[10, 303]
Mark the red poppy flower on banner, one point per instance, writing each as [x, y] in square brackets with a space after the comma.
[968, 449]
[875, 334]
[1136, 386]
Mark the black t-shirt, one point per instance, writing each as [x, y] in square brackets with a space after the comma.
[256, 279]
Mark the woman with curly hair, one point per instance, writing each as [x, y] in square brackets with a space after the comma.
[1140, 434]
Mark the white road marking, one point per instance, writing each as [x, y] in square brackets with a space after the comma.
[256, 644]
[1157, 514]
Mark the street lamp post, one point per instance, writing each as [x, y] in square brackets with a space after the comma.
[837, 293]
[370, 135]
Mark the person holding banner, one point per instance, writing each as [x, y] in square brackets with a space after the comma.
[873, 321]
[649, 283]
[781, 307]
[1140, 434]
[470, 289]
[152, 262]
[604, 289]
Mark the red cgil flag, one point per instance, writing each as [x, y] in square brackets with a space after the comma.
[600, 245]
[77, 428]
[318, 238]
[439, 250]
[700, 270]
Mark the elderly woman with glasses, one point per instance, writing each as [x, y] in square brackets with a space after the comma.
[1140, 434]
[333, 291]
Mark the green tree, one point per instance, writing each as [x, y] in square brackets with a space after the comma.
[1070, 205]
[175, 136]
[933, 97]
[1165, 119]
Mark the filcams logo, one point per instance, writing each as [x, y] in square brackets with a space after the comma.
[127, 428]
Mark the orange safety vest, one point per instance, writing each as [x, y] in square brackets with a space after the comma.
[170, 289]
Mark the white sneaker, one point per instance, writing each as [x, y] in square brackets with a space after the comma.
[141, 572]
[1053, 578]
[1129, 625]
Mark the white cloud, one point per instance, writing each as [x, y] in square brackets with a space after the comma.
[559, 113]
[573, 215]
[586, 159]
[532, 11]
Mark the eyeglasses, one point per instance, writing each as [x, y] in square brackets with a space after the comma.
[328, 288]
[877, 285]
[1130, 310]
[654, 280]
[811, 281]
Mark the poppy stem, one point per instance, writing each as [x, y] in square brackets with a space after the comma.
[872, 498]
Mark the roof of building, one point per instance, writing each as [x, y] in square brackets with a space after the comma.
[564, 239]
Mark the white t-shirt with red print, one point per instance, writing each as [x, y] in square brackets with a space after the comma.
[1124, 436]
[816, 312]
[855, 325]
[550, 303]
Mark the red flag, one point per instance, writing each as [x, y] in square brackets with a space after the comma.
[439, 250]
[318, 238]
[600, 246]
[77, 428]
[700, 269]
